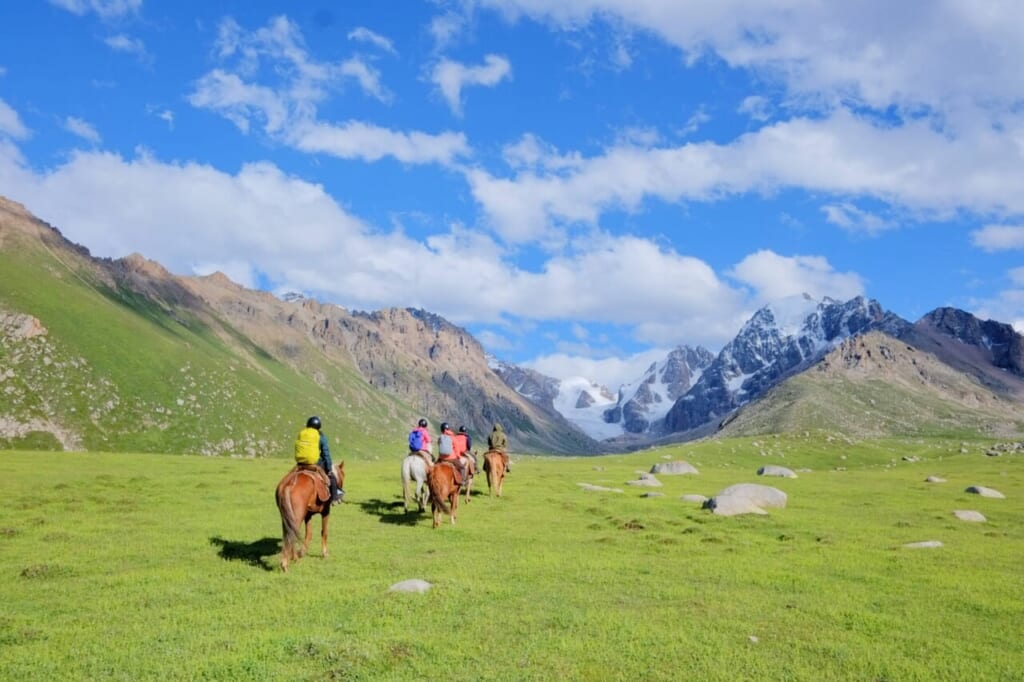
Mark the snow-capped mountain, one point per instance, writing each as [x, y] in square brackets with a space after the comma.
[779, 339]
[646, 401]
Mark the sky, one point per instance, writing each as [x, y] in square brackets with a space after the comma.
[582, 184]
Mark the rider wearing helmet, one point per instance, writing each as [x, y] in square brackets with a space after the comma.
[464, 444]
[447, 451]
[424, 441]
[311, 449]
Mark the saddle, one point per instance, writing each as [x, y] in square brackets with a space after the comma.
[459, 481]
[320, 481]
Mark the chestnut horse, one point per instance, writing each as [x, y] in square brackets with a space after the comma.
[298, 503]
[494, 465]
[444, 493]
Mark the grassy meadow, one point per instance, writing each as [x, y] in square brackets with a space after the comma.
[119, 566]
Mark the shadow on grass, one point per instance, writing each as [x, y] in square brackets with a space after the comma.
[252, 553]
[390, 512]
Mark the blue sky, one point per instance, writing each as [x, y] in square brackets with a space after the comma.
[583, 184]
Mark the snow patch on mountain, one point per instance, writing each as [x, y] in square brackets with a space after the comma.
[584, 403]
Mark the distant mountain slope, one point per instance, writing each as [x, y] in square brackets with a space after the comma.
[122, 355]
[780, 340]
[874, 384]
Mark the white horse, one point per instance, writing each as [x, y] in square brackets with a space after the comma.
[414, 468]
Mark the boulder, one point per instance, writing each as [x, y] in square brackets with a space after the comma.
[969, 515]
[763, 496]
[732, 505]
[646, 480]
[674, 468]
[414, 585]
[598, 488]
[985, 492]
[927, 544]
[773, 470]
[934, 479]
[700, 499]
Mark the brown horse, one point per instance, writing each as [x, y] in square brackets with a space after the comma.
[298, 502]
[444, 493]
[494, 465]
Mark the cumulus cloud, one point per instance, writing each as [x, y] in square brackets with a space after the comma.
[756, 107]
[847, 216]
[365, 35]
[269, 82]
[10, 122]
[452, 77]
[773, 276]
[912, 166]
[125, 43]
[998, 237]
[82, 129]
[830, 50]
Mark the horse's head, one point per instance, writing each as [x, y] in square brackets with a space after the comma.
[339, 473]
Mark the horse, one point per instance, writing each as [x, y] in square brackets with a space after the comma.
[298, 502]
[470, 468]
[494, 465]
[415, 468]
[444, 493]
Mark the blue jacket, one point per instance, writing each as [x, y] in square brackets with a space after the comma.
[325, 462]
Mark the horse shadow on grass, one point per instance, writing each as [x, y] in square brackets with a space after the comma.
[390, 512]
[252, 553]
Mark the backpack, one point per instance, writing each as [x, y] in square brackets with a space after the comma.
[415, 440]
[307, 446]
[444, 445]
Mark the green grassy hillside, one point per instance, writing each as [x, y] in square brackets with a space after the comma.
[114, 371]
[164, 567]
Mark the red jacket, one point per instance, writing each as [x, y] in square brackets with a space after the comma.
[460, 447]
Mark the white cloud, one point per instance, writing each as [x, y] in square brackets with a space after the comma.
[285, 106]
[444, 28]
[124, 43]
[610, 372]
[849, 217]
[757, 107]
[931, 53]
[998, 237]
[357, 140]
[774, 277]
[367, 77]
[365, 35]
[452, 77]
[696, 120]
[82, 129]
[10, 122]
[106, 9]
[912, 166]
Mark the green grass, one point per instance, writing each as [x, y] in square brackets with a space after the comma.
[164, 567]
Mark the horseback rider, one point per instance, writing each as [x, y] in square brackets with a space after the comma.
[464, 443]
[498, 442]
[419, 442]
[311, 451]
[447, 451]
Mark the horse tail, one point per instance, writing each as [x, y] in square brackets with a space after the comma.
[437, 495]
[291, 524]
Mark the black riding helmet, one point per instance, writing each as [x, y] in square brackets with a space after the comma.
[444, 426]
[313, 423]
[423, 423]
[462, 429]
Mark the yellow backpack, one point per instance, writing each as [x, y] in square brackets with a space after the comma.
[307, 446]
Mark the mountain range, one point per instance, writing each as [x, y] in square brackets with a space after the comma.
[124, 355]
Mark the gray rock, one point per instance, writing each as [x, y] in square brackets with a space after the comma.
[700, 499]
[985, 492]
[774, 470]
[674, 468]
[646, 480]
[927, 544]
[763, 496]
[653, 494]
[598, 488]
[414, 585]
[934, 479]
[969, 515]
[732, 505]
